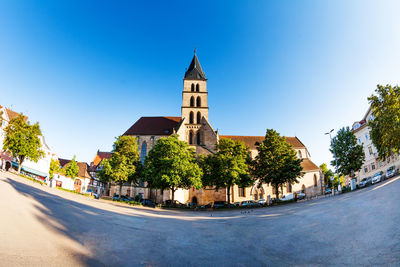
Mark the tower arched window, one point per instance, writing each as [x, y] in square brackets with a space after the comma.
[191, 138]
[191, 117]
[198, 117]
[198, 138]
[315, 180]
[198, 101]
[300, 155]
[192, 87]
[197, 88]
[192, 101]
[143, 152]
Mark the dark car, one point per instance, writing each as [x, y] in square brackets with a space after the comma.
[328, 191]
[149, 203]
[116, 197]
[220, 204]
[126, 199]
[174, 203]
[207, 206]
[365, 182]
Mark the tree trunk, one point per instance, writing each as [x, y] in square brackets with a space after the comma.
[21, 160]
[277, 192]
[173, 194]
[120, 189]
[229, 194]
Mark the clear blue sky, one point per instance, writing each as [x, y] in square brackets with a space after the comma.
[88, 70]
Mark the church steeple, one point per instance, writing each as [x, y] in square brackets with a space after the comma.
[194, 71]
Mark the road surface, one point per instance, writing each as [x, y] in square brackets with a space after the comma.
[40, 226]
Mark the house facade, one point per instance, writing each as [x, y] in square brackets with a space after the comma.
[372, 163]
[194, 127]
[80, 183]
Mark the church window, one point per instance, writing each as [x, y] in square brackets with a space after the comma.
[191, 117]
[192, 87]
[198, 101]
[197, 88]
[191, 138]
[143, 152]
[315, 180]
[192, 101]
[198, 138]
[198, 118]
[300, 155]
[242, 192]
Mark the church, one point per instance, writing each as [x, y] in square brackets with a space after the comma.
[194, 128]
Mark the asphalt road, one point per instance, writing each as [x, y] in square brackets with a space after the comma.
[40, 226]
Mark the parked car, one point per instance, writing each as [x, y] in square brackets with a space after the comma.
[191, 204]
[220, 204]
[93, 193]
[328, 191]
[236, 204]
[377, 177]
[300, 196]
[287, 197]
[262, 201]
[390, 172]
[249, 203]
[365, 182]
[126, 198]
[207, 206]
[174, 203]
[149, 203]
[116, 197]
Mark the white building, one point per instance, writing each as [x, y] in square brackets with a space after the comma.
[372, 162]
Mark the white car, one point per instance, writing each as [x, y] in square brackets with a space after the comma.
[377, 177]
[287, 197]
[262, 201]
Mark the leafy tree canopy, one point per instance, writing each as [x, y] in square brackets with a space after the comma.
[171, 164]
[277, 162]
[123, 163]
[229, 166]
[72, 169]
[54, 167]
[22, 140]
[350, 155]
[327, 174]
[385, 127]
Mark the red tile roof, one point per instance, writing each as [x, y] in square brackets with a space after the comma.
[83, 167]
[308, 165]
[100, 156]
[154, 126]
[253, 141]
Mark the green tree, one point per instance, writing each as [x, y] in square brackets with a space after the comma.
[327, 174]
[350, 155]
[54, 167]
[385, 127]
[72, 169]
[22, 140]
[171, 164]
[228, 167]
[277, 162]
[122, 166]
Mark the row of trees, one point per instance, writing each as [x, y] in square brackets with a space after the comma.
[172, 164]
[384, 133]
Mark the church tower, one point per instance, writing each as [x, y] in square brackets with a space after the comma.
[194, 102]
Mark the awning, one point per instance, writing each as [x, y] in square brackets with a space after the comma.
[35, 172]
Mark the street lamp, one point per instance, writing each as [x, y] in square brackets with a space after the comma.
[334, 155]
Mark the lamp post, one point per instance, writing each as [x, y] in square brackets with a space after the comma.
[334, 155]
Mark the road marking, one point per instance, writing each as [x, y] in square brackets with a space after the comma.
[386, 183]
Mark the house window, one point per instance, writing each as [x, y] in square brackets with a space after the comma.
[365, 169]
[198, 101]
[143, 152]
[191, 117]
[192, 101]
[359, 140]
[197, 88]
[370, 150]
[373, 166]
[366, 136]
[242, 192]
[289, 188]
[192, 87]
[198, 117]
[315, 180]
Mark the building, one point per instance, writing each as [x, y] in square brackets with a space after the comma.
[94, 168]
[193, 127]
[372, 163]
[39, 169]
[79, 184]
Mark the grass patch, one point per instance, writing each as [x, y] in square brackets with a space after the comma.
[72, 191]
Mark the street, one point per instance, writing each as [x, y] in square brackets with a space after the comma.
[50, 227]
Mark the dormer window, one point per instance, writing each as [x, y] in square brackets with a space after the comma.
[356, 126]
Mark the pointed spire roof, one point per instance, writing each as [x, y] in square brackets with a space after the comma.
[194, 71]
